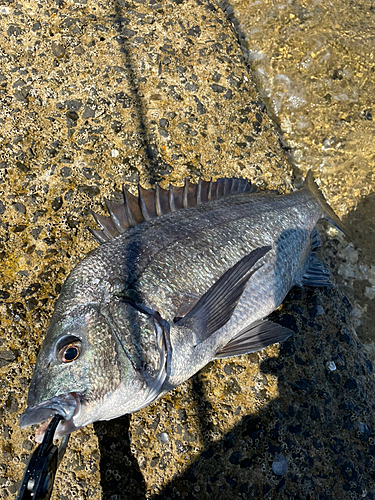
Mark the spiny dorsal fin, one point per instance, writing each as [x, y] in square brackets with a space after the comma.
[151, 203]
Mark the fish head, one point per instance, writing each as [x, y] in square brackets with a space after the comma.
[78, 373]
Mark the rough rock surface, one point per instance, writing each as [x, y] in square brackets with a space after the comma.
[95, 94]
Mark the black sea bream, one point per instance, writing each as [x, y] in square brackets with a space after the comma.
[181, 277]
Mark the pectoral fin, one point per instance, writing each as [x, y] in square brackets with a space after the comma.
[253, 338]
[216, 306]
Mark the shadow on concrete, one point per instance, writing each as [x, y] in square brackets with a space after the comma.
[120, 473]
[156, 166]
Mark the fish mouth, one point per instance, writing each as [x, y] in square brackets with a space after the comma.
[66, 405]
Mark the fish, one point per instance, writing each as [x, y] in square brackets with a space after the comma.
[181, 277]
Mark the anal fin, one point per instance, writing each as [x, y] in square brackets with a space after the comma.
[255, 337]
[316, 274]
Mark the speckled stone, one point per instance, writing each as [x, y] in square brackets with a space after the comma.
[96, 94]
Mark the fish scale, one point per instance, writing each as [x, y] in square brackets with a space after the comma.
[163, 295]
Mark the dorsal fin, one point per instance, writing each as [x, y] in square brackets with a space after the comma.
[151, 203]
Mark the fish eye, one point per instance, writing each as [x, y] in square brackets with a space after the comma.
[68, 349]
[70, 352]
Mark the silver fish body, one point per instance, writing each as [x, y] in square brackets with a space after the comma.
[118, 339]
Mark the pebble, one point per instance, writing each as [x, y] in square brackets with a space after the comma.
[280, 465]
[163, 438]
[363, 428]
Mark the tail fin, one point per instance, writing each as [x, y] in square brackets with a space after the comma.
[329, 214]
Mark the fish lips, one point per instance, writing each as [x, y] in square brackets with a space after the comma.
[66, 405]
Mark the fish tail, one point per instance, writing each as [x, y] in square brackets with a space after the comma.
[328, 213]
